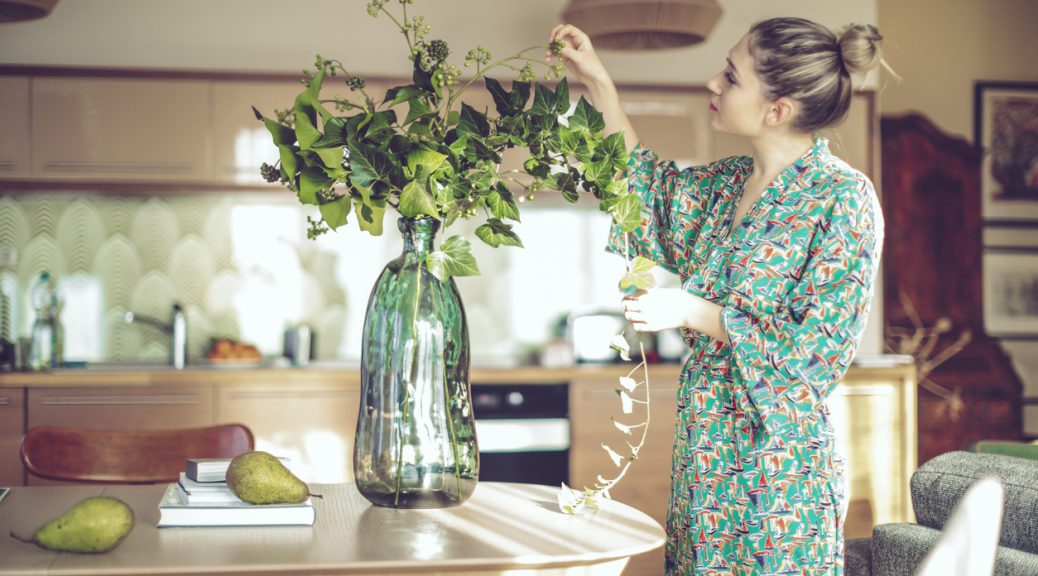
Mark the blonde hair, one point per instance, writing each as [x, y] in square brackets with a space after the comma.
[805, 61]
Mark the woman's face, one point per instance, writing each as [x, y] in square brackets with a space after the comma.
[738, 104]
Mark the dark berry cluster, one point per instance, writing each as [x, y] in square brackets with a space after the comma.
[269, 173]
[556, 47]
[437, 50]
[355, 83]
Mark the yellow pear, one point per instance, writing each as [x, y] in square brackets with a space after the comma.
[94, 525]
[259, 478]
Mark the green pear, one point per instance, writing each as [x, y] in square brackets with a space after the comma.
[260, 478]
[95, 525]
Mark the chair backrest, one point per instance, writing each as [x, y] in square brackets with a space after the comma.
[126, 456]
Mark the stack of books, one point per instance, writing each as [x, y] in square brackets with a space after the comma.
[202, 498]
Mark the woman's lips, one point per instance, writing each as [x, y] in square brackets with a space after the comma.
[712, 107]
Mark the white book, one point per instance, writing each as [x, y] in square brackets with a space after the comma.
[211, 469]
[175, 512]
[215, 493]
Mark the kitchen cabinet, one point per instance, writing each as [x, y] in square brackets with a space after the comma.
[157, 406]
[12, 424]
[311, 422]
[241, 143]
[14, 117]
[121, 130]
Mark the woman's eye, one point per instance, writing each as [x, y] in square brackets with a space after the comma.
[729, 78]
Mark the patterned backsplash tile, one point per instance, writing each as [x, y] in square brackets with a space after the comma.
[242, 268]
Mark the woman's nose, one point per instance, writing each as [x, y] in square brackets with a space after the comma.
[714, 84]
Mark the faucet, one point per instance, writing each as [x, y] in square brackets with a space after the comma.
[176, 330]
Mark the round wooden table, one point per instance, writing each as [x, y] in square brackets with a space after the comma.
[503, 527]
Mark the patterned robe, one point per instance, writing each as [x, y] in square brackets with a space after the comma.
[757, 481]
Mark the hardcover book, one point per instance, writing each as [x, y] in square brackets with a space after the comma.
[174, 511]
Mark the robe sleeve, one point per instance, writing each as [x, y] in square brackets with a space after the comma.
[784, 365]
[674, 203]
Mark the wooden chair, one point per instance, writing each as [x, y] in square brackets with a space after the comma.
[126, 456]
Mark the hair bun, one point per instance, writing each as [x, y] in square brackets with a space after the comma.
[859, 47]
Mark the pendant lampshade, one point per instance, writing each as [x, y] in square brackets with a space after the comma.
[18, 10]
[643, 24]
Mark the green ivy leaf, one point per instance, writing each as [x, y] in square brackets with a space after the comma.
[400, 94]
[627, 213]
[369, 216]
[473, 122]
[334, 135]
[543, 102]
[417, 109]
[454, 258]
[306, 121]
[312, 181]
[586, 118]
[369, 165]
[281, 134]
[415, 200]
[639, 277]
[430, 159]
[497, 233]
[562, 96]
[502, 203]
[502, 99]
[336, 211]
[612, 151]
[289, 161]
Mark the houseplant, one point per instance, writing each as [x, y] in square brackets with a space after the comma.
[420, 150]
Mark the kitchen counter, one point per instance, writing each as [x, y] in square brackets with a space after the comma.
[143, 375]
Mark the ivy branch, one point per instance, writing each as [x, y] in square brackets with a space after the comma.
[638, 277]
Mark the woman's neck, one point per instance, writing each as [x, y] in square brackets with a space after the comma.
[774, 153]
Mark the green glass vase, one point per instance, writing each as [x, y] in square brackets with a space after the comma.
[416, 438]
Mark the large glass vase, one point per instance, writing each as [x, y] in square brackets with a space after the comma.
[416, 439]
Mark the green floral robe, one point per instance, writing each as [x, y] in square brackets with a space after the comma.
[757, 483]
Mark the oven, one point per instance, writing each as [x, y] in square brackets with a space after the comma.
[523, 432]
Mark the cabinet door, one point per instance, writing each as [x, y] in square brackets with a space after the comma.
[310, 423]
[12, 426]
[121, 407]
[593, 404]
[110, 129]
[14, 117]
[240, 142]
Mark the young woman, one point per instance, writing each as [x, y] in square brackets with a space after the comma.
[778, 253]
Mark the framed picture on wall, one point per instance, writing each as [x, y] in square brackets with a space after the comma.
[1005, 125]
[1011, 292]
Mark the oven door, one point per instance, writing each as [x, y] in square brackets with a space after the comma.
[523, 432]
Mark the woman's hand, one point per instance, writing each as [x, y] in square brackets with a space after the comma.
[663, 308]
[579, 55]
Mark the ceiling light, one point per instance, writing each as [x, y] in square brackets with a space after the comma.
[643, 24]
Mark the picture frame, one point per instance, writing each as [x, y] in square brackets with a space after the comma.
[1011, 292]
[1006, 129]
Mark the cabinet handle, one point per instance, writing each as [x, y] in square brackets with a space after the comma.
[172, 399]
[6, 165]
[118, 168]
[4, 401]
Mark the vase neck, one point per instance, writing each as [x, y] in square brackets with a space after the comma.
[418, 234]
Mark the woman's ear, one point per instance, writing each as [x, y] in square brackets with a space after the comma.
[781, 112]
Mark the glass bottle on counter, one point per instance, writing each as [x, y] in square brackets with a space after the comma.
[45, 344]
